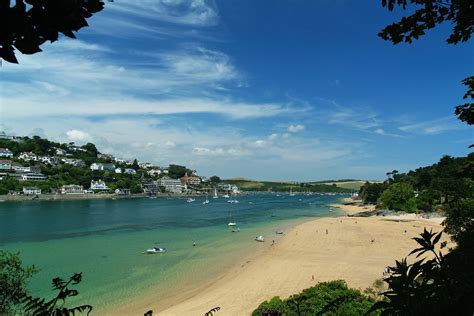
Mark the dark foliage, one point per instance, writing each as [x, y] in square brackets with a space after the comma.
[13, 276]
[435, 285]
[465, 112]
[370, 192]
[55, 306]
[29, 23]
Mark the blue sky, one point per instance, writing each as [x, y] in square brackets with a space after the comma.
[277, 90]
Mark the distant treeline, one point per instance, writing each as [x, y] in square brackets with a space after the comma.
[246, 185]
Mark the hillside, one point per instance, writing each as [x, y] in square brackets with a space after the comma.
[254, 185]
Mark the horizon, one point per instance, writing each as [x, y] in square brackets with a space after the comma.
[242, 89]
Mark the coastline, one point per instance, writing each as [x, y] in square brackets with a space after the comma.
[355, 249]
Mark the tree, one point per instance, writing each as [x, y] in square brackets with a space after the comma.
[13, 276]
[215, 179]
[370, 192]
[28, 24]
[459, 12]
[135, 165]
[177, 171]
[398, 197]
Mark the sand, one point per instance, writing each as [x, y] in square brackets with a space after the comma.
[353, 249]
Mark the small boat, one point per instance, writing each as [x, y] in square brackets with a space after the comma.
[226, 196]
[190, 200]
[291, 192]
[206, 202]
[260, 238]
[156, 250]
[231, 223]
[215, 194]
[279, 232]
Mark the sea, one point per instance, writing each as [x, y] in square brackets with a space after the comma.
[106, 241]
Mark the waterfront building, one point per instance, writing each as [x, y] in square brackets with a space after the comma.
[190, 180]
[31, 191]
[98, 185]
[171, 185]
[72, 189]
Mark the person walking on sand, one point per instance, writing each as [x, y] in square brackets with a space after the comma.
[326, 231]
[273, 242]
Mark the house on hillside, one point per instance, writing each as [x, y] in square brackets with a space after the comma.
[5, 152]
[190, 180]
[20, 168]
[130, 171]
[28, 156]
[5, 165]
[60, 152]
[103, 166]
[33, 176]
[154, 172]
[118, 170]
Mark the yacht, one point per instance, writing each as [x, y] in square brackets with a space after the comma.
[215, 194]
[260, 238]
[156, 250]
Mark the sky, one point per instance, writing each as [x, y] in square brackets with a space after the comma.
[276, 90]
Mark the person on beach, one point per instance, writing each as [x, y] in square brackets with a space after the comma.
[326, 231]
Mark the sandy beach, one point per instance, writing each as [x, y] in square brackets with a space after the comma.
[351, 248]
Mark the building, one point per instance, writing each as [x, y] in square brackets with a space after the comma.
[74, 162]
[103, 166]
[5, 165]
[190, 180]
[154, 172]
[31, 191]
[171, 185]
[145, 165]
[19, 168]
[47, 159]
[130, 171]
[118, 170]
[72, 189]
[5, 152]
[149, 186]
[123, 192]
[98, 185]
[28, 156]
[60, 152]
[33, 176]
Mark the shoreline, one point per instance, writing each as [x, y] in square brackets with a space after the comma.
[355, 249]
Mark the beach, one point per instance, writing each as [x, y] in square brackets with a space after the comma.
[354, 249]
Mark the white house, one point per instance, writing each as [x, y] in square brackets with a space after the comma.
[28, 156]
[5, 152]
[130, 171]
[32, 176]
[31, 191]
[102, 166]
[98, 185]
[145, 165]
[154, 172]
[60, 152]
[72, 189]
[5, 164]
[118, 170]
[19, 168]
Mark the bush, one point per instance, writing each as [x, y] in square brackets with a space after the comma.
[398, 197]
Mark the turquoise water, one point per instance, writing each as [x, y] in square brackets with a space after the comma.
[105, 239]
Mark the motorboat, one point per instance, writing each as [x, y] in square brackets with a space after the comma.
[156, 250]
[190, 200]
[226, 196]
[206, 202]
[232, 224]
[260, 238]
[279, 232]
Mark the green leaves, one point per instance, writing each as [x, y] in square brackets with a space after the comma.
[38, 306]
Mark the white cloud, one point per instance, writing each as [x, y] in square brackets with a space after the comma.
[170, 144]
[185, 12]
[433, 127]
[296, 128]
[75, 135]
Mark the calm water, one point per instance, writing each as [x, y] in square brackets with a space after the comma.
[105, 239]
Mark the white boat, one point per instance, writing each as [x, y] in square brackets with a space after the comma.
[190, 200]
[206, 202]
[226, 196]
[260, 238]
[156, 250]
[291, 192]
[231, 223]
[215, 194]
[279, 232]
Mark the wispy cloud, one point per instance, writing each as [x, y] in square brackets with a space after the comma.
[296, 128]
[433, 127]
